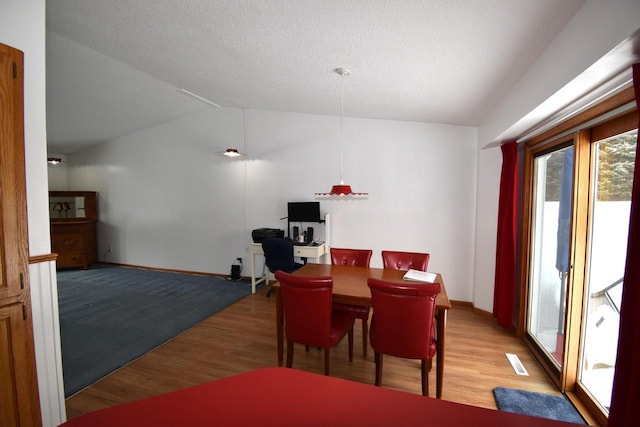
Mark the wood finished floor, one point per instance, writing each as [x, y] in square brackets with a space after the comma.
[242, 338]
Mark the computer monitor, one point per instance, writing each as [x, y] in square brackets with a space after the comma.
[304, 212]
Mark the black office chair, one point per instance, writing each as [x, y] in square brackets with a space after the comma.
[278, 255]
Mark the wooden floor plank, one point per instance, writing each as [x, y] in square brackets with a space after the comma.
[242, 338]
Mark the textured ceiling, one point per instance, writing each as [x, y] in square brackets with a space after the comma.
[113, 66]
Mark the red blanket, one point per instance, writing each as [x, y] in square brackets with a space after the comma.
[288, 397]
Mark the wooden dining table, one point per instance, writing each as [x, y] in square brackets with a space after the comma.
[350, 287]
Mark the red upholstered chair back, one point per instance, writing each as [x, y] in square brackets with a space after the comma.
[403, 318]
[394, 260]
[351, 257]
[307, 308]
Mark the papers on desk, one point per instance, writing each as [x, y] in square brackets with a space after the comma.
[419, 276]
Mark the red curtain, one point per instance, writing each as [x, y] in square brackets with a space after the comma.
[626, 383]
[505, 280]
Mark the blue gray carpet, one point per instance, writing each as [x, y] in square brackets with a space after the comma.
[536, 404]
[111, 315]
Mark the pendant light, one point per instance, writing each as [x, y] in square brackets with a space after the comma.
[341, 189]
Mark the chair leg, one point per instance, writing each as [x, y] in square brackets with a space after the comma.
[425, 376]
[378, 359]
[365, 334]
[327, 358]
[350, 337]
[289, 354]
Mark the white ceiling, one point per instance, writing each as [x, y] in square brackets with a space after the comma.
[114, 67]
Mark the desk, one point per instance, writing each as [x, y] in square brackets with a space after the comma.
[290, 397]
[302, 251]
[350, 287]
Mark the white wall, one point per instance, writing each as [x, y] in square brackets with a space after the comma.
[166, 199]
[490, 161]
[57, 175]
[22, 26]
[596, 29]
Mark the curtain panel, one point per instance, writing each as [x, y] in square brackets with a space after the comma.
[505, 277]
[626, 383]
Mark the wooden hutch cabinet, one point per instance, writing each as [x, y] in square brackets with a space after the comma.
[19, 402]
[74, 216]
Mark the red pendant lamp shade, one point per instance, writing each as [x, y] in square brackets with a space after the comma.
[341, 189]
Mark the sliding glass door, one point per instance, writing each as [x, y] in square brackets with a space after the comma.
[551, 210]
[609, 214]
[575, 220]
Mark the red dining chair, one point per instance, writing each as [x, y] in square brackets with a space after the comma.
[351, 257]
[403, 323]
[308, 315]
[394, 260]
[354, 258]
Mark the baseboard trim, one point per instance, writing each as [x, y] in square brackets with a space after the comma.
[457, 303]
[469, 305]
[168, 270]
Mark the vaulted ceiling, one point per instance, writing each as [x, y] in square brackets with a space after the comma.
[115, 67]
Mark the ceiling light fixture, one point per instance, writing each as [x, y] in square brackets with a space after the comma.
[54, 160]
[230, 152]
[341, 189]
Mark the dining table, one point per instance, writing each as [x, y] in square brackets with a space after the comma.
[350, 287]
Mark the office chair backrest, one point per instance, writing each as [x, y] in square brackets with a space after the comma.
[307, 308]
[394, 260]
[278, 254]
[351, 257]
[403, 318]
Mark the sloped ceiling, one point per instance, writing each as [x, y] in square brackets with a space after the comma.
[114, 67]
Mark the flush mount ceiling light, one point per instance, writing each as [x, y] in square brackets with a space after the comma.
[54, 160]
[341, 189]
[231, 153]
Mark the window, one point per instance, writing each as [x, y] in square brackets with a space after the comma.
[577, 194]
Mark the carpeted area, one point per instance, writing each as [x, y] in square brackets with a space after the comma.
[536, 404]
[111, 315]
